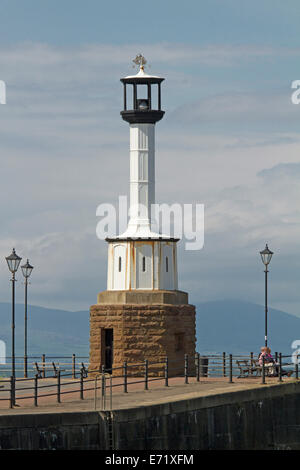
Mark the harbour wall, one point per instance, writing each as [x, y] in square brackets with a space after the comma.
[262, 418]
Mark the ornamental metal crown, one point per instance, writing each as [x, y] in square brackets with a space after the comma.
[140, 61]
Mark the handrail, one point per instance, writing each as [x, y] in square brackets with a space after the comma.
[224, 366]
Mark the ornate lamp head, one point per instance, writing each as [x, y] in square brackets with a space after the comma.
[13, 261]
[27, 269]
[266, 255]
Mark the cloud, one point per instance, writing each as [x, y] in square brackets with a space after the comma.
[238, 223]
[263, 110]
[64, 150]
[98, 55]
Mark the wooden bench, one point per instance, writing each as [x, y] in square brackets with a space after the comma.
[43, 367]
[251, 367]
[247, 368]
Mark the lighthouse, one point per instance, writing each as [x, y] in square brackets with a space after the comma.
[141, 258]
[142, 314]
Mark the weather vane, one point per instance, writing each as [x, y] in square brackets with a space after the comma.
[140, 61]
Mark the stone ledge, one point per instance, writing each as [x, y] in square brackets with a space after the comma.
[257, 394]
[143, 297]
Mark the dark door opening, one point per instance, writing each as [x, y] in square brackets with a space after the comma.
[109, 339]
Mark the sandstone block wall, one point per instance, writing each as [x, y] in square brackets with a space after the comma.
[144, 332]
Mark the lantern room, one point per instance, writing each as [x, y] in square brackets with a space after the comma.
[142, 98]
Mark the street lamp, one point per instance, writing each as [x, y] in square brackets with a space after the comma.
[26, 270]
[13, 262]
[266, 256]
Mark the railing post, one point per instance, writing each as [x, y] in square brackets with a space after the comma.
[25, 367]
[251, 363]
[297, 368]
[276, 356]
[230, 369]
[43, 367]
[73, 366]
[58, 386]
[102, 385]
[224, 364]
[110, 391]
[125, 376]
[36, 390]
[95, 393]
[12, 392]
[166, 372]
[280, 367]
[81, 384]
[263, 375]
[186, 366]
[83, 369]
[104, 389]
[198, 367]
[146, 374]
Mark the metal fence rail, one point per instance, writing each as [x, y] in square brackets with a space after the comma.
[43, 364]
[81, 379]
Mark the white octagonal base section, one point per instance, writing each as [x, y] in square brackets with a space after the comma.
[142, 264]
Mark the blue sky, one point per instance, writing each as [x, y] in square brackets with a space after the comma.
[229, 139]
[71, 22]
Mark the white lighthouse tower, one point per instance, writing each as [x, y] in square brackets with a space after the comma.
[140, 258]
[142, 314]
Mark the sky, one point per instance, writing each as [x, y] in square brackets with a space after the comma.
[229, 140]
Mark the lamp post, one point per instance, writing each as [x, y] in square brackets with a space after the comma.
[13, 262]
[26, 269]
[266, 256]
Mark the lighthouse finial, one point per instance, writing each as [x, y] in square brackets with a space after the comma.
[140, 61]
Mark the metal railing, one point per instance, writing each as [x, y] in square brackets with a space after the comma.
[78, 381]
[43, 365]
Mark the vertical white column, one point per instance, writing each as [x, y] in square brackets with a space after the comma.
[142, 175]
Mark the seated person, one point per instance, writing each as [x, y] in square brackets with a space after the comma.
[270, 363]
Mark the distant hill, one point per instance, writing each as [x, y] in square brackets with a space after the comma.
[236, 326]
[229, 325]
[50, 331]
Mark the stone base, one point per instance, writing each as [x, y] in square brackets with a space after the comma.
[145, 297]
[141, 332]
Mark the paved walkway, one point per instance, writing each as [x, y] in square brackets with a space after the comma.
[136, 396]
